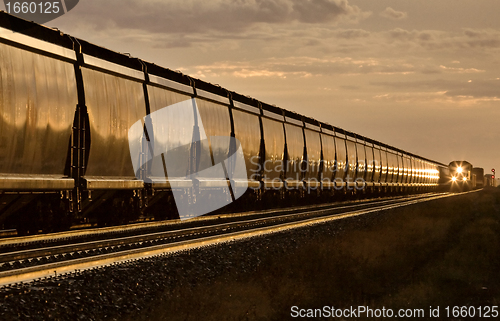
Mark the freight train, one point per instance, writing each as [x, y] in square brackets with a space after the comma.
[79, 143]
[478, 178]
[461, 175]
[464, 177]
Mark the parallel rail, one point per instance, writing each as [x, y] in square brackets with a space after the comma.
[35, 263]
[84, 235]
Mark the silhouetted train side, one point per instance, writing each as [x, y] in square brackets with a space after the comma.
[478, 179]
[67, 107]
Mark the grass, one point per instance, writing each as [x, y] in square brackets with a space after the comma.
[443, 252]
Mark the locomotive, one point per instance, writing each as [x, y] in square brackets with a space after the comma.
[461, 175]
[67, 110]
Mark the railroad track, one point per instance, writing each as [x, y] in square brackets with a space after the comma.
[24, 259]
[86, 235]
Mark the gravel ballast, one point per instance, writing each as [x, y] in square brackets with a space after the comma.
[262, 277]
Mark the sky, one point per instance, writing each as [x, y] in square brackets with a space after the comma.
[423, 76]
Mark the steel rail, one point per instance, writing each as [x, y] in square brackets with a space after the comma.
[73, 236]
[173, 234]
[58, 268]
[116, 242]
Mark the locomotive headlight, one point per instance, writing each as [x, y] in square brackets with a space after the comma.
[459, 169]
[465, 178]
[454, 179]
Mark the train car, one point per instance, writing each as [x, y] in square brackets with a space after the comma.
[461, 175]
[37, 119]
[92, 136]
[478, 177]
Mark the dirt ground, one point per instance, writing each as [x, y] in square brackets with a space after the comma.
[440, 253]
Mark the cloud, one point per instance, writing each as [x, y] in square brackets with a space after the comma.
[302, 67]
[433, 99]
[476, 89]
[392, 14]
[439, 40]
[486, 38]
[200, 16]
[352, 33]
[350, 87]
[307, 66]
[461, 70]
[419, 36]
[483, 89]
[275, 27]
